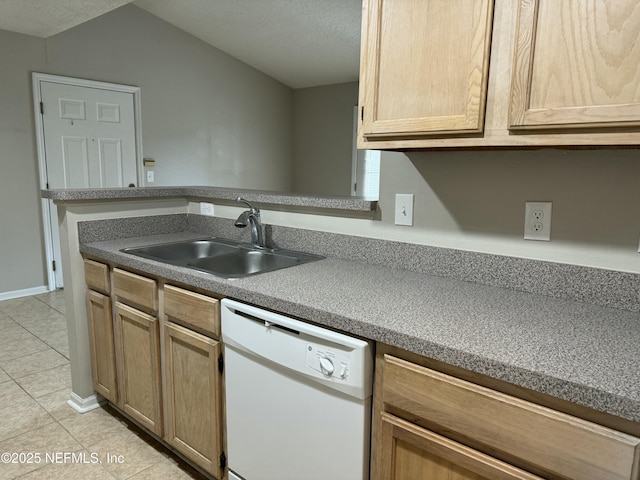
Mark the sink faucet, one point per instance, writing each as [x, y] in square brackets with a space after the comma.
[251, 216]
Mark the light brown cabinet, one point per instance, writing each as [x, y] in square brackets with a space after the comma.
[101, 340]
[431, 425]
[156, 355]
[135, 290]
[193, 396]
[194, 310]
[576, 65]
[410, 452]
[101, 343]
[559, 74]
[139, 366]
[137, 337]
[436, 82]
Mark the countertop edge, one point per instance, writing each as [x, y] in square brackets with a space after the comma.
[281, 199]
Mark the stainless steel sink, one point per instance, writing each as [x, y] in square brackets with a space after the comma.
[222, 257]
[244, 262]
[181, 252]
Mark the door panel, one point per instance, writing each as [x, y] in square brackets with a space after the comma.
[104, 121]
[111, 172]
[75, 173]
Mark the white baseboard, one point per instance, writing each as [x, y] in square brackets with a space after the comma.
[23, 293]
[84, 405]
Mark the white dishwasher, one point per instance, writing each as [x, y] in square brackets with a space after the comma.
[298, 398]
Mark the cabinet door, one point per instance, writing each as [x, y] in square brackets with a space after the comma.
[576, 64]
[408, 452]
[193, 396]
[139, 366]
[103, 364]
[424, 67]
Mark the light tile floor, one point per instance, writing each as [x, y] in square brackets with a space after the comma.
[41, 437]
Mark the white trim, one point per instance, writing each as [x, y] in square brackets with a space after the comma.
[354, 152]
[84, 405]
[37, 78]
[23, 293]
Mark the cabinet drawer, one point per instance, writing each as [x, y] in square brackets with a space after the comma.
[96, 275]
[193, 309]
[411, 452]
[530, 435]
[135, 289]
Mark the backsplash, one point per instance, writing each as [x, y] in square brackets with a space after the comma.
[584, 284]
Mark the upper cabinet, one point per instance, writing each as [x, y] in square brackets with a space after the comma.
[576, 64]
[426, 66]
[499, 73]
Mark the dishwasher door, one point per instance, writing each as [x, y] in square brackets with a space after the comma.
[298, 398]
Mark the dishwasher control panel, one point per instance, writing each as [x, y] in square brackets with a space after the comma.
[330, 363]
[330, 358]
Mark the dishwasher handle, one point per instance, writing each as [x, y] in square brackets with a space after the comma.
[266, 323]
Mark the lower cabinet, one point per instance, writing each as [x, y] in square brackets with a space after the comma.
[139, 366]
[159, 362]
[101, 342]
[193, 397]
[410, 452]
[432, 425]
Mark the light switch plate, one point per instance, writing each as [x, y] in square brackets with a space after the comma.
[150, 176]
[404, 209]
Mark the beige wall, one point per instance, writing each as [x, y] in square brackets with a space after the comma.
[475, 201]
[207, 118]
[201, 107]
[21, 249]
[323, 138]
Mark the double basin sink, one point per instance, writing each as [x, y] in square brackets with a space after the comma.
[222, 257]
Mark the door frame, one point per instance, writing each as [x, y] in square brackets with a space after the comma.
[47, 204]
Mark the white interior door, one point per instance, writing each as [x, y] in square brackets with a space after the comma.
[88, 140]
[89, 137]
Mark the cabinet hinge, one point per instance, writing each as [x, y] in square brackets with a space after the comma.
[47, 185]
[53, 265]
[41, 108]
[220, 363]
[223, 460]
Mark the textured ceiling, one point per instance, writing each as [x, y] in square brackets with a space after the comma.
[301, 43]
[43, 18]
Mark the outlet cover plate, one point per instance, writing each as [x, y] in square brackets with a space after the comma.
[537, 221]
[404, 209]
[206, 209]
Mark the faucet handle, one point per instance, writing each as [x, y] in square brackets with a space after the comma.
[246, 202]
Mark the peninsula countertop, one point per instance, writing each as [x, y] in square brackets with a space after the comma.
[579, 352]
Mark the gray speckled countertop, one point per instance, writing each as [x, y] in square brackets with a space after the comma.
[352, 204]
[579, 352]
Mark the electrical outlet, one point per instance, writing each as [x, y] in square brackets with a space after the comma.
[150, 177]
[404, 209]
[206, 209]
[537, 221]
